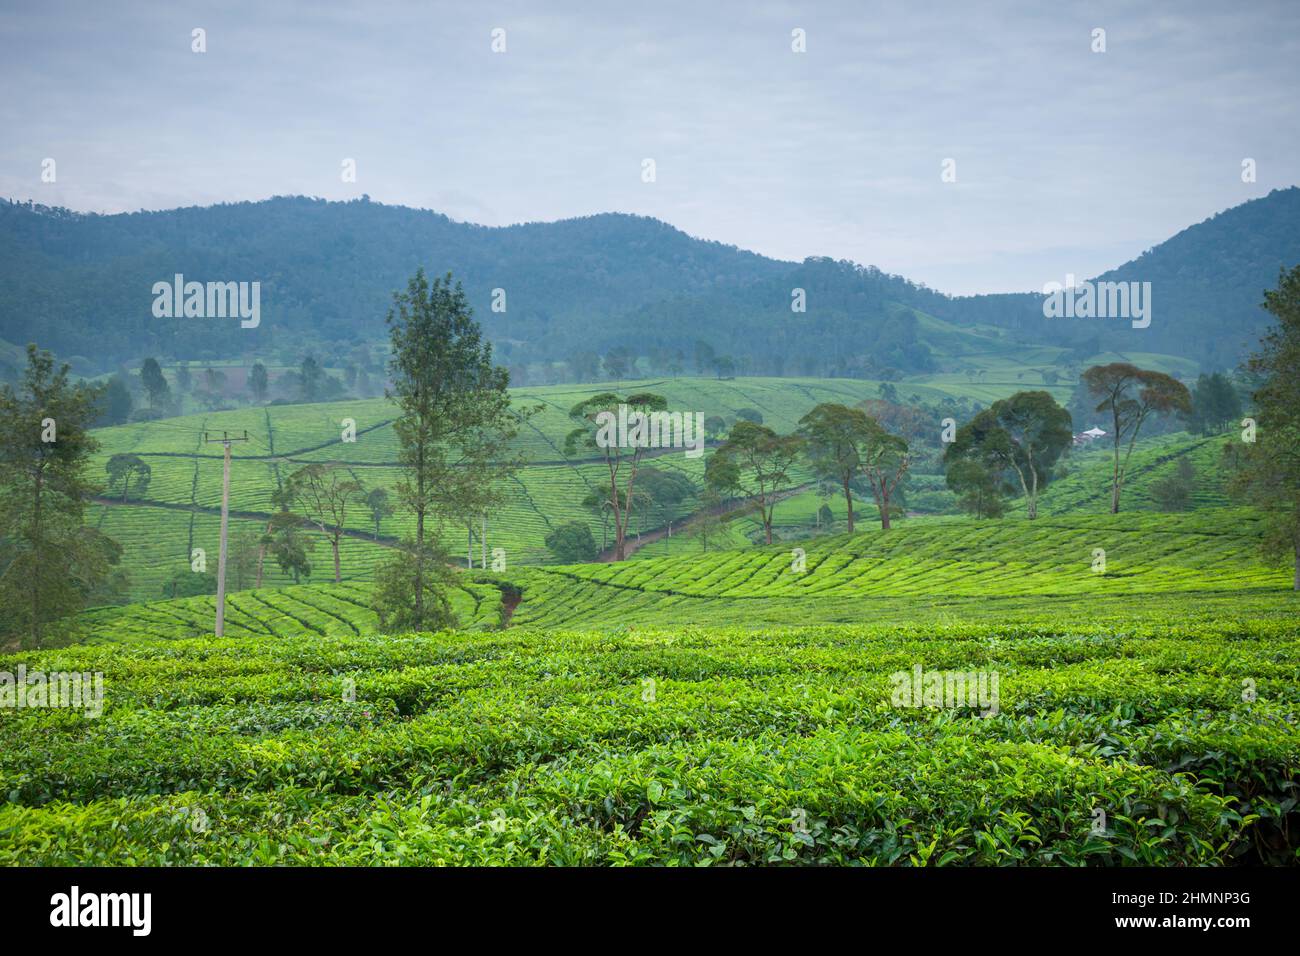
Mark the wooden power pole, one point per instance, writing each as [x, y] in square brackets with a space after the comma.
[225, 440]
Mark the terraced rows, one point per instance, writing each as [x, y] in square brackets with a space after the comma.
[324, 610]
[1087, 487]
[930, 568]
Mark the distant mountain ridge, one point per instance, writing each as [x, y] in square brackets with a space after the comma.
[80, 284]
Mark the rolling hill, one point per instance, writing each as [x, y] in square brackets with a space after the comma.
[583, 286]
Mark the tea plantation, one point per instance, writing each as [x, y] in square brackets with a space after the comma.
[702, 710]
[671, 745]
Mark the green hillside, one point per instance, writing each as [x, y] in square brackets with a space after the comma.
[159, 528]
[1012, 567]
[1087, 486]
[178, 511]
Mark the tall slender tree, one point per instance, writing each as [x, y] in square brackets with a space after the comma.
[884, 461]
[756, 460]
[155, 383]
[454, 427]
[258, 383]
[621, 459]
[325, 492]
[834, 437]
[1131, 395]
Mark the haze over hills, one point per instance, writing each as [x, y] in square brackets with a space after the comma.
[80, 284]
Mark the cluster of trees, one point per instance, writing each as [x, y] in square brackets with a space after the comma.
[753, 464]
[1013, 446]
[147, 394]
[51, 562]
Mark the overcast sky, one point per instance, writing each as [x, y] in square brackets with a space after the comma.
[1066, 160]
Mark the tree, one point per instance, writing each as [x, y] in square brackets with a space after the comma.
[1021, 436]
[981, 489]
[664, 492]
[834, 437]
[714, 426]
[1174, 492]
[1215, 405]
[183, 380]
[1131, 395]
[155, 384]
[589, 416]
[453, 428]
[703, 356]
[244, 554]
[50, 561]
[311, 376]
[325, 492]
[379, 506]
[116, 404]
[755, 455]
[884, 460]
[572, 543]
[707, 522]
[425, 569]
[258, 383]
[600, 503]
[122, 468]
[1268, 472]
[189, 584]
[288, 546]
[616, 364]
[281, 538]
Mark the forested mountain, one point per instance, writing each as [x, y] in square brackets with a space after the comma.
[80, 284]
[1207, 284]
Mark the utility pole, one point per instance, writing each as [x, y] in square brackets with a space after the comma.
[483, 538]
[225, 440]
